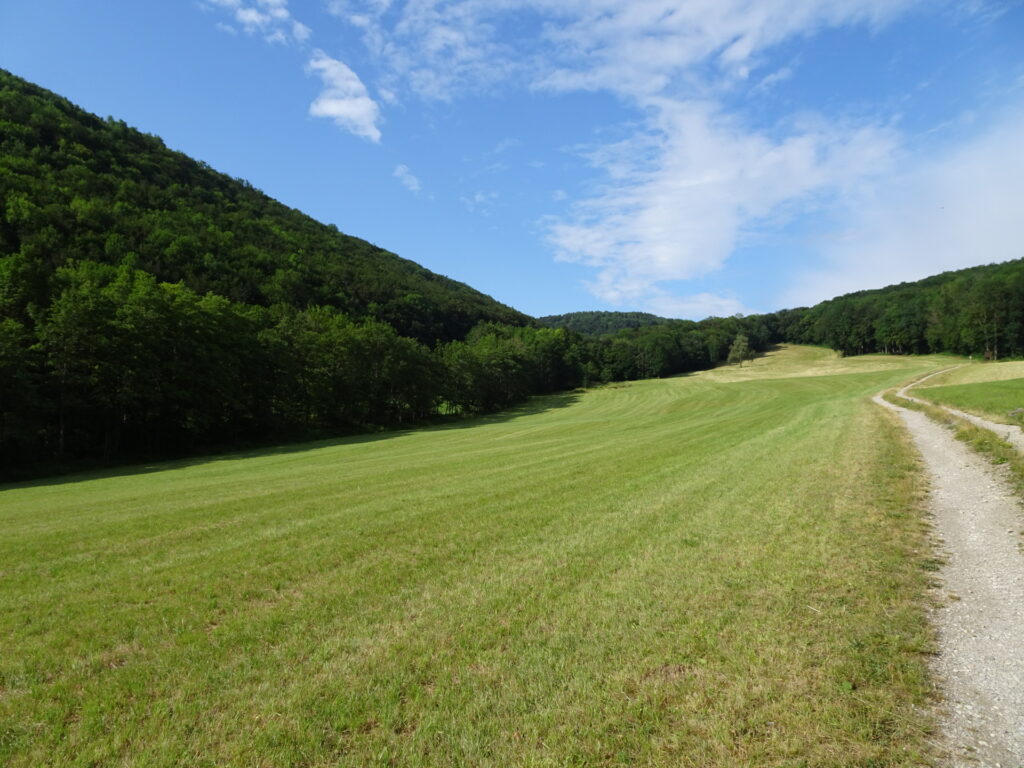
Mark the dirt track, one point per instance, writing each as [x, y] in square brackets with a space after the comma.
[1011, 434]
[980, 619]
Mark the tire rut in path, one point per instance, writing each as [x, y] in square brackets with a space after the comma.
[980, 622]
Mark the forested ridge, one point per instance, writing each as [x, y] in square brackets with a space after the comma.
[151, 307]
[973, 311]
[599, 323]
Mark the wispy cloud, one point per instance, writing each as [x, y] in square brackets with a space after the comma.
[480, 202]
[692, 181]
[679, 197]
[696, 306]
[270, 19]
[957, 208]
[344, 99]
[634, 47]
[769, 81]
[643, 48]
[407, 178]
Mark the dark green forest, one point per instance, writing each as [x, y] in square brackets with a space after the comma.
[152, 307]
[600, 323]
[975, 311]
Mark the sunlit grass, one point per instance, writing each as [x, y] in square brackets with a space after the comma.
[689, 571]
[975, 371]
[1001, 400]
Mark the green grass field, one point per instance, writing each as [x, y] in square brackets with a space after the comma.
[991, 390]
[994, 400]
[724, 569]
[974, 372]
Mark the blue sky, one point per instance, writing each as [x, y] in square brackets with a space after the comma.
[684, 157]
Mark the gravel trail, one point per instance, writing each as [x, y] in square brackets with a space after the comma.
[1012, 434]
[980, 621]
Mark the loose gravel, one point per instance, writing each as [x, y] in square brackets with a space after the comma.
[1012, 434]
[980, 619]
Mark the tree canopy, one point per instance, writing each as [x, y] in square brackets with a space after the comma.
[600, 323]
[150, 306]
[975, 311]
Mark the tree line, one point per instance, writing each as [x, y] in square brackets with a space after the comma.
[120, 365]
[598, 323]
[151, 307]
[976, 311]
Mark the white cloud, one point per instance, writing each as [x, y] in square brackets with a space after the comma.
[695, 307]
[632, 47]
[344, 98]
[679, 197]
[252, 20]
[771, 80]
[957, 209]
[693, 183]
[269, 18]
[681, 194]
[641, 48]
[406, 177]
[226, 28]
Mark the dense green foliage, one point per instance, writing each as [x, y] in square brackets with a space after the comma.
[150, 306]
[976, 311]
[75, 187]
[600, 323]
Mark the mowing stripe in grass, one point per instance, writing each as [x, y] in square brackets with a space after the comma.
[692, 571]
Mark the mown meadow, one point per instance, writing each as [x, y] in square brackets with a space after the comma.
[992, 390]
[722, 569]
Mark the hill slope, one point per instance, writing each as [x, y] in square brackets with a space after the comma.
[151, 306]
[73, 186]
[635, 579]
[973, 311]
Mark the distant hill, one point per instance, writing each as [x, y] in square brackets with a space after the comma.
[600, 323]
[150, 306]
[74, 186]
[972, 311]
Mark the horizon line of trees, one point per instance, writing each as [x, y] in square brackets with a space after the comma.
[151, 307]
[974, 311]
[121, 366]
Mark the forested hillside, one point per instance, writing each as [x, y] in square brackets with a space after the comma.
[150, 306]
[80, 188]
[599, 323]
[976, 311]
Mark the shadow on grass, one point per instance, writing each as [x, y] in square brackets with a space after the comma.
[534, 406]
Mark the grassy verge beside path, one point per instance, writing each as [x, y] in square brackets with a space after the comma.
[684, 572]
[984, 441]
[993, 400]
